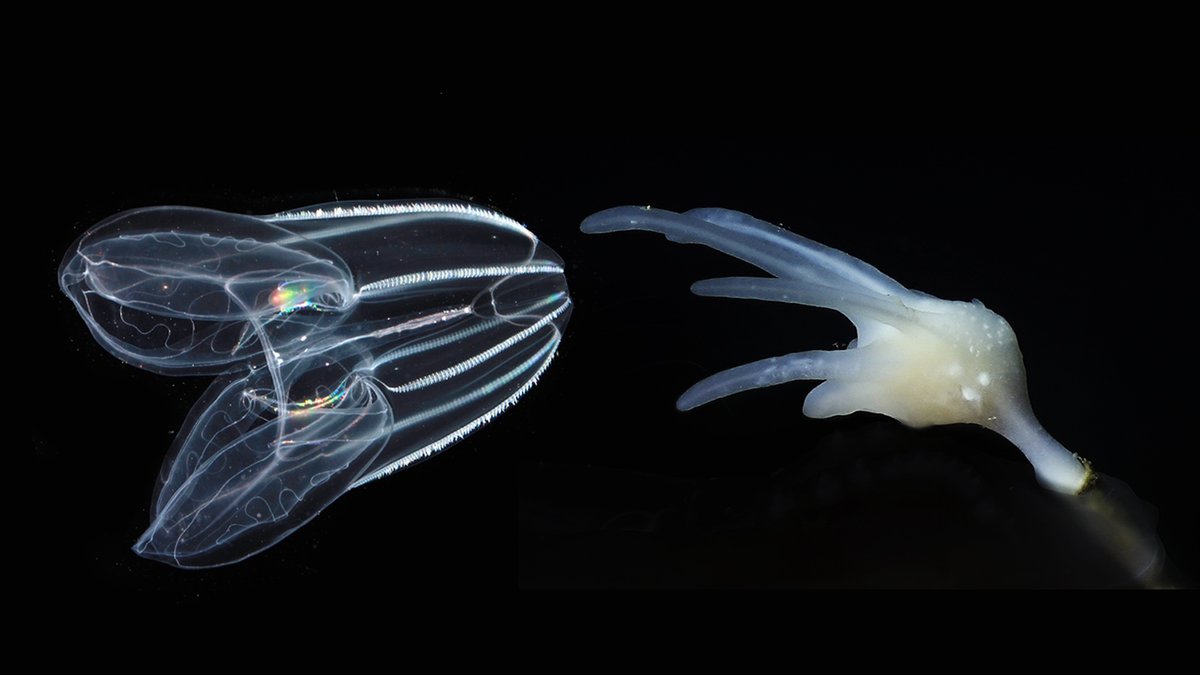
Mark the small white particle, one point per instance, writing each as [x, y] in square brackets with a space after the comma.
[984, 379]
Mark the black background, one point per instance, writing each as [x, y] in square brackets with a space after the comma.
[1078, 242]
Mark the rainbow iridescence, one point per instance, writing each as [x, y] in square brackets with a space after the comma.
[300, 407]
[291, 296]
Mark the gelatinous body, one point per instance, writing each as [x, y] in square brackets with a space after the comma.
[349, 340]
[917, 358]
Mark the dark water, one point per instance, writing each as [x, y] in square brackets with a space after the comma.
[1074, 241]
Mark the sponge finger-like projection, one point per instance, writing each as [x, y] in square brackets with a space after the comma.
[917, 358]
